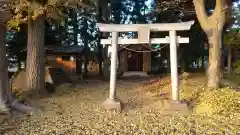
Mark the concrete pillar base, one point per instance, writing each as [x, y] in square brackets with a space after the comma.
[175, 106]
[113, 105]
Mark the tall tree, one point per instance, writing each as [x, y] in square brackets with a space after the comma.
[75, 26]
[52, 33]
[103, 16]
[232, 37]
[168, 12]
[213, 26]
[139, 10]
[213, 22]
[35, 12]
[3, 68]
[88, 36]
[232, 40]
[5, 94]
[35, 55]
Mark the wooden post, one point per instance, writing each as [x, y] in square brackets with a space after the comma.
[113, 71]
[174, 65]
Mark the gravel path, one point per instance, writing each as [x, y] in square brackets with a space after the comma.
[78, 111]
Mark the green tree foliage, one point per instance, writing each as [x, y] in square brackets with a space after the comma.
[35, 12]
[232, 38]
[16, 45]
[177, 11]
[52, 33]
[52, 9]
[232, 41]
[196, 49]
[236, 14]
[88, 36]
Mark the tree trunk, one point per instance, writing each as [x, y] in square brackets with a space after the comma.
[85, 66]
[3, 70]
[35, 55]
[5, 93]
[75, 26]
[198, 63]
[78, 65]
[19, 65]
[229, 60]
[213, 27]
[87, 52]
[99, 54]
[183, 67]
[203, 62]
[214, 68]
[103, 17]
[106, 63]
[181, 60]
[100, 68]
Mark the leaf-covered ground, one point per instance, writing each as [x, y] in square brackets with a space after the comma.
[78, 111]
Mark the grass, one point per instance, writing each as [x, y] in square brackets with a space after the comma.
[79, 110]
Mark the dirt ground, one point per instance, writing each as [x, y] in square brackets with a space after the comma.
[78, 110]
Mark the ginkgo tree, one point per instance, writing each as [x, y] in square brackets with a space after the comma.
[213, 16]
[35, 13]
[214, 26]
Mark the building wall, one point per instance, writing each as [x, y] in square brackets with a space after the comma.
[124, 58]
[147, 61]
[57, 62]
[69, 65]
[123, 66]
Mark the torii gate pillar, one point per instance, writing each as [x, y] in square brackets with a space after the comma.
[112, 103]
[174, 65]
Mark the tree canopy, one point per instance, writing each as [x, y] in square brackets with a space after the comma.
[23, 10]
[232, 38]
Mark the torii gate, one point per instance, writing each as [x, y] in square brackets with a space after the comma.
[112, 103]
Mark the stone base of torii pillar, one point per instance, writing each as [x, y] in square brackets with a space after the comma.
[175, 106]
[113, 105]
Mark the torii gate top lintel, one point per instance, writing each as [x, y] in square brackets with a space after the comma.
[153, 27]
[144, 32]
